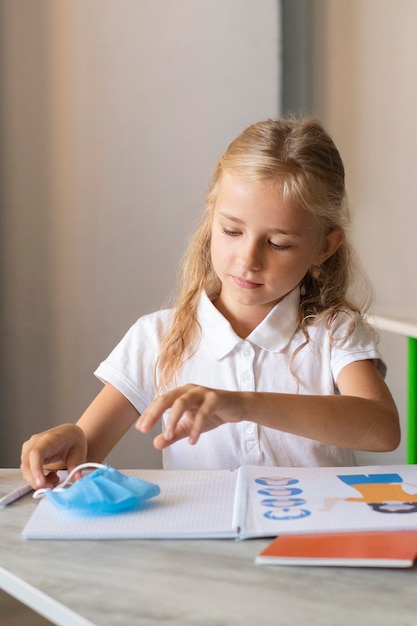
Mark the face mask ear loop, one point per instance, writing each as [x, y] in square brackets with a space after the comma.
[39, 493]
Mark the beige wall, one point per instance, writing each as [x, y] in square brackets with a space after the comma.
[112, 115]
[365, 90]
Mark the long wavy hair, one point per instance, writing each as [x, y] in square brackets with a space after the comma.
[301, 157]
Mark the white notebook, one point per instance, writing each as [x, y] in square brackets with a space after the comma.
[249, 502]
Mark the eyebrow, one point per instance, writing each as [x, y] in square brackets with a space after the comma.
[276, 231]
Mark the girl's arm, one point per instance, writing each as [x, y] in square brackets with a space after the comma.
[362, 417]
[97, 431]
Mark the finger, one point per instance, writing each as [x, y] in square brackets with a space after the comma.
[155, 410]
[153, 413]
[182, 431]
[32, 461]
[188, 402]
[205, 417]
[33, 470]
[51, 479]
[24, 467]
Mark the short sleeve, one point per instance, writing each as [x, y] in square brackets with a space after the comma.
[130, 367]
[352, 339]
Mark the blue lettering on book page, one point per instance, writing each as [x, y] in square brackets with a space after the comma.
[273, 491]
[285, 503]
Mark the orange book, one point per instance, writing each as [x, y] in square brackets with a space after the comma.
[356, 549]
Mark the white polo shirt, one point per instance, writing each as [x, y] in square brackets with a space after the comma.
[261, 362]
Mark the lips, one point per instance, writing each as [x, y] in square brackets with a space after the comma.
[245, 284]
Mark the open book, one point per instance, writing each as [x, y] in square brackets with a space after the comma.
[249, 502]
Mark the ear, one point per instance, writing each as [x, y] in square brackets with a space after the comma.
[332, 242]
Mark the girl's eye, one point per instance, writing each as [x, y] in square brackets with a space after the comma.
[277, 246]
[230, 233]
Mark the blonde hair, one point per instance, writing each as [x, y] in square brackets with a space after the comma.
[301, 157]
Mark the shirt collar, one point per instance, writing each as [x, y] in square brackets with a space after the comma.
[274, 333]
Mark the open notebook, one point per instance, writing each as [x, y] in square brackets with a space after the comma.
[249, 502]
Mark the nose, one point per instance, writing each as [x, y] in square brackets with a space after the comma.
[250, 255]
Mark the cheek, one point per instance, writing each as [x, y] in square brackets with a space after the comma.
[218, 251]
[294, 267]
[213, 248]
[215, 254]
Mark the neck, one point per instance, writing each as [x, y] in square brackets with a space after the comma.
[242, 324]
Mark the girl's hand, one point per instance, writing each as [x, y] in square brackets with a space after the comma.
[64, 446]
[193, 410]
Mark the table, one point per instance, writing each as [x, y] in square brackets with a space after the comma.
[406, 326]
[188, 583]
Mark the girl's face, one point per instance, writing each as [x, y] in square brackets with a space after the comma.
[261, 249]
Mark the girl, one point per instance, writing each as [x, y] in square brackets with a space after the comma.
[263, 348]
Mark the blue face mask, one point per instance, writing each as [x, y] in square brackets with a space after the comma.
[104, 491]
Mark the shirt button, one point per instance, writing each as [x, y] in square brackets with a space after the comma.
[247, 352]
[250, 429]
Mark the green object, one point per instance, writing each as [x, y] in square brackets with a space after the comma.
[412, 401]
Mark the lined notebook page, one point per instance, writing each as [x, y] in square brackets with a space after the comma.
[192, 504]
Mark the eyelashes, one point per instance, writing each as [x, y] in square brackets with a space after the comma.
[277, 246]
[274, 246]
[229, 233]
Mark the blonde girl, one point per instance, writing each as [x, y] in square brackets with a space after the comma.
[265, 357]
